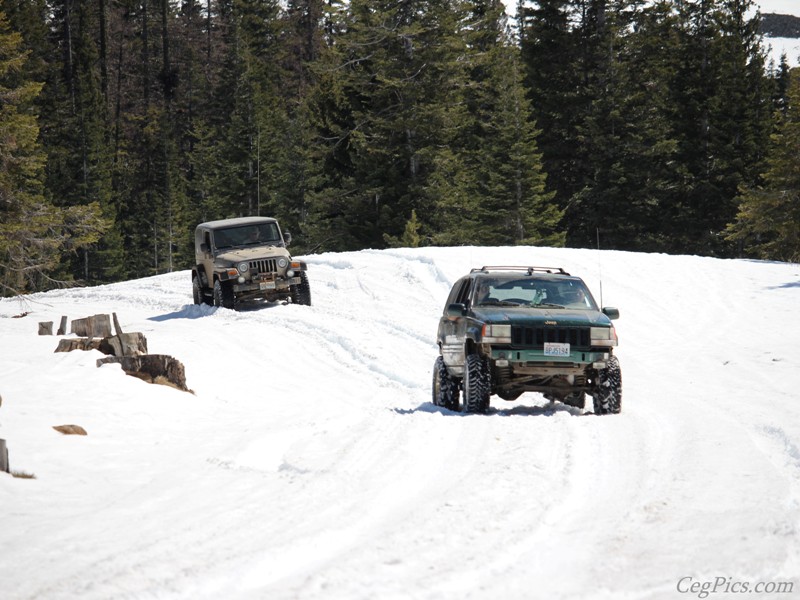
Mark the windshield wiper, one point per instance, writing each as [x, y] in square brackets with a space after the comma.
[548, 305]
[498, 303]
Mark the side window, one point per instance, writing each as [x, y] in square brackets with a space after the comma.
[455, 293]
[464, 292]
[268, 232]
[207, 240]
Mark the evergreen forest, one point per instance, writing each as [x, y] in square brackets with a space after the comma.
[644, 125]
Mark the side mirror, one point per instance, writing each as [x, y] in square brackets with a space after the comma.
[204, 248]
[287, 238]
[456, 310]
[611, 312]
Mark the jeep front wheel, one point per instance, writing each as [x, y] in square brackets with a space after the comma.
[197, 292]
[223, 294]
[608, 394]
[476, 385]
[301, 293]
[445, 388]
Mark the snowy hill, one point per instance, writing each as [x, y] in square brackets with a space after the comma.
[778, 45]
[773, 46]
[310, 463]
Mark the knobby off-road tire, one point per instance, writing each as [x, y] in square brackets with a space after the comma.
[197, 292]
[301, 293]
[223, 295]
[608, 396]
[476, 385]
[445, 388]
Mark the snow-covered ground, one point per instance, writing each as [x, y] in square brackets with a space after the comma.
[310, 463]
[776, 47]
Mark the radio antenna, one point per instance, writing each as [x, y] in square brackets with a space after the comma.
[600, 267]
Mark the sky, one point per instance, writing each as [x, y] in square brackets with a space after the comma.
[309, 462]
[781, 7]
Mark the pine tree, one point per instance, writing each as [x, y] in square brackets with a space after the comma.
[768, 221]
[551, 48]
[505, 201]
[393, 119]
[34, 234]
[627, 134]
[723, 103]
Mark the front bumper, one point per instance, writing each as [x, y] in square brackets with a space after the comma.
[535, 360]
[265, 286]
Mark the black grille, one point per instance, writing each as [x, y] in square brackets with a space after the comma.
[267, 265]
[535, 337]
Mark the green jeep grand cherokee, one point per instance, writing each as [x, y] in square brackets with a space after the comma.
[509, 330]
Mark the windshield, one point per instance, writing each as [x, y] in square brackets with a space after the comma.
[535, 292]
[247, 235]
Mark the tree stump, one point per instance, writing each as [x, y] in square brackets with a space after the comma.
[70, 344]
[4, 466]
[117, 328]
[45, 328]
[62, 328]
[153, 368]
[92, 327]
[70, 429]
[127, 344]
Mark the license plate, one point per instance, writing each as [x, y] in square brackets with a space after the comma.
[554, 349]
[267, 285]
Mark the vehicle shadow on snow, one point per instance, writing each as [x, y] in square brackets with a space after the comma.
[198, 311]
[547, 410]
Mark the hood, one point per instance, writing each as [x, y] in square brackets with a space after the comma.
[243, 254]
[538, 316]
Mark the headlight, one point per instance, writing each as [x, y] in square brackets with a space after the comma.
[496, 334]
[282, 262]
[603, 336]
[243, 267]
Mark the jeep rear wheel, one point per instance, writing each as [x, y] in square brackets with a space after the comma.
[476, 385]
[445, 388]
[223, 294]
[608, 395]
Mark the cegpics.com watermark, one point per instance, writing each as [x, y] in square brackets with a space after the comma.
[729, 585]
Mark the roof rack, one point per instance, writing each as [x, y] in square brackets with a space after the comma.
[529, 270]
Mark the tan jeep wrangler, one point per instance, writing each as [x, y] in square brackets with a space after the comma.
[244, 259]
